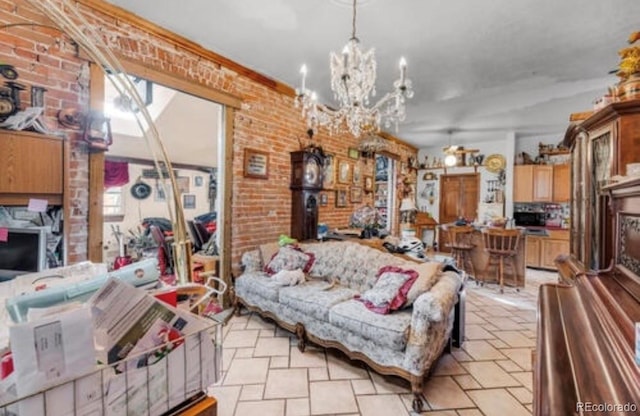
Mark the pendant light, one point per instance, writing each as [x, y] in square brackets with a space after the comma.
[451, 159]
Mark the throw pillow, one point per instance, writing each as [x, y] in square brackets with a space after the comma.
[390, 291]
[267, 251]
[290, 258]
[428, 275]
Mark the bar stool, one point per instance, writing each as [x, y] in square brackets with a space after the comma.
[459, 240]
[502, 246]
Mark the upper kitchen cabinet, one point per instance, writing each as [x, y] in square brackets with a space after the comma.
[31, 166]
[533, 183]
[602, 146]
[561, 183]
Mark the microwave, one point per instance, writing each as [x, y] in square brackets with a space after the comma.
[529, 219]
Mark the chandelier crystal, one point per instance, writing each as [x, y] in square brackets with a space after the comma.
[353, 78]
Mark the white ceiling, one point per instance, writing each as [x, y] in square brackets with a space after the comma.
[481, 68]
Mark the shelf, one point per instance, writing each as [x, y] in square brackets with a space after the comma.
[555, 152]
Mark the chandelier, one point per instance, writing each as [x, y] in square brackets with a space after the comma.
[353, 77]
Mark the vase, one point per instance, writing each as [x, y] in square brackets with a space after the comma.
[631, 87]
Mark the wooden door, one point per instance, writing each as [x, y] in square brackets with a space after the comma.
[523, 183]
[459, 197]
[561, 183]
[542, 183]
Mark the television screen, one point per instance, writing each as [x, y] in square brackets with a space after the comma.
[23, 250]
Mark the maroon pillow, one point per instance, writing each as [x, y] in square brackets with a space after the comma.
[390, 291]
[290, 258]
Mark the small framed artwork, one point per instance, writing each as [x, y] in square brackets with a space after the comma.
[189, 201]
[324, 199]
[256, 164]
[353, 153]
[341, 198]
[183, 184]
[355, 194]
[329, 171]
[357, 175]
[344, 171]
[197, 181]
[368, 183]
[162, 192]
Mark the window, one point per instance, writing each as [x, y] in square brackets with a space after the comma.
[113, 204]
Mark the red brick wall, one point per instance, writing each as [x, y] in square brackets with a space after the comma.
[267, 121]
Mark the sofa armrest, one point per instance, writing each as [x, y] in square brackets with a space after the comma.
[251, 261]
[432, 322]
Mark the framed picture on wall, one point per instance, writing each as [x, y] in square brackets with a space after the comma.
[353, 153]
[324, 199]
[344, 171]
[197, 181]
[329, 171]
[357, 175]
[341, 198]
[183, 184]
[368, 183]
[161, 192]
[256, 164]
[189, 201]
[355, 194]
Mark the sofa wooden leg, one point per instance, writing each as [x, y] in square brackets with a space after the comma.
[301, 334]
[416, 389]
[236, 306]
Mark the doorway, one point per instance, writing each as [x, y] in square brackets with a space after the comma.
[459, 197]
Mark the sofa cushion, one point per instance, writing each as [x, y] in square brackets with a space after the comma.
[290, 258]
[390, 291]
[388, 331]
[428, 275]
[311, 299]
[258, 283]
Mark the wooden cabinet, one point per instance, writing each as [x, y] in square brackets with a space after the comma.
[532, 258]
[543, 250]
[541, 183]
[561, 183]
[31, 166]
[602, 145]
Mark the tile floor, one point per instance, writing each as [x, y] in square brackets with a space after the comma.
[265, 374]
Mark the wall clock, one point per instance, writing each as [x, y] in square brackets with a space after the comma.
[495, 163]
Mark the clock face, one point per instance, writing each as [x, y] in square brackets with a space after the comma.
[312, 172]
[6, 107]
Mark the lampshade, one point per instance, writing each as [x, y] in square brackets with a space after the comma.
[450, 160]
[408, 205]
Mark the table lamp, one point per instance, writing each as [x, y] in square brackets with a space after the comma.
[408, 213]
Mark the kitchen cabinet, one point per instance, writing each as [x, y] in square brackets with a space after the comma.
[31, 166]
[543, 250]
[561, 183]
[538, 183]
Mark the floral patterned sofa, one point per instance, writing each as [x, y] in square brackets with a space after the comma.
[405, 342]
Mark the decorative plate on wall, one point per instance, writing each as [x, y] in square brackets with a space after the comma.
[140, 190]
[495, 163]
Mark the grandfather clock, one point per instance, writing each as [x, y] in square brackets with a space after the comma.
[306, 182]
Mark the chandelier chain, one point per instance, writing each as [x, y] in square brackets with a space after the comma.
[353, 21]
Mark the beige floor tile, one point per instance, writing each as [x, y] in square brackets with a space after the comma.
[363, 387]
[244, 353]
[241, 339]
[494, 311]
[330, 397]
[523, 395]
[441, 413]
[448, 366]
[227, 398]
[508, 366]
[470, 412]
[267, 347]
[526, 378]
[444, 393]
[497, 343]
[497, 402]
[489, 374]
[381, 405]
[298, 407]
[286, 384]
[467, 382]
[529, 407]
[520, 356]
[262, 408]
[407, 400]
[267, 333]
[339, 369]
[389, 384]
[247, 371]
[318, 374]
[309, 358]
[279, 362]
[227, 357]
[251, 392]
[472, 318]
[506, 324]
[238, 326]
[473, 332]
[256, 322]
[460, 355]
[515, 339]
[482, 350]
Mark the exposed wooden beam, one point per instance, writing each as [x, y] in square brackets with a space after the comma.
[96, 173]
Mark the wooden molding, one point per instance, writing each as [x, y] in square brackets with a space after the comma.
[123, 15]
[394, 139]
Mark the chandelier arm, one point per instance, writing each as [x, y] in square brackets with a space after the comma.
[353, 22]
